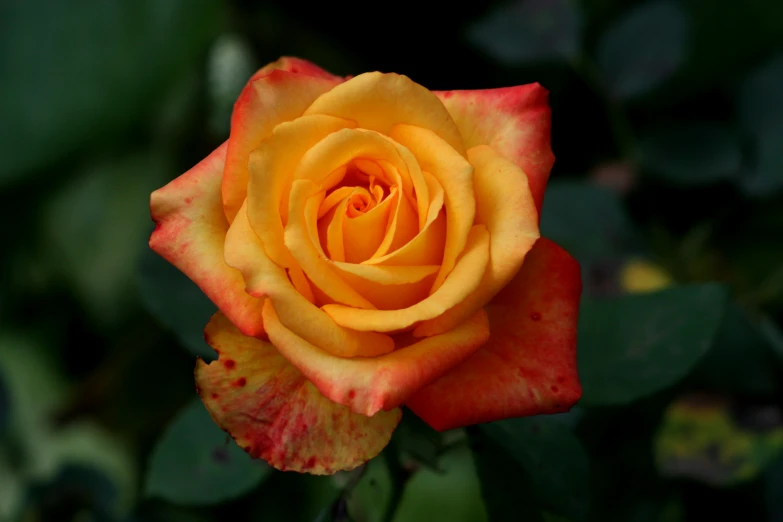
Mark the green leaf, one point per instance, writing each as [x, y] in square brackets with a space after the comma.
[296, 497]
[176, 301]
[644, 48]
[530, 31]
[418, 440]
[773, 485]
[82, 70]
[5, 406]
[741, 359]
[452, 495]
[765, 176]
[369, 500]
[554, 461]
[759, 103]
[692, 153]
[95, 227]
[196, 463]
[605, 233]
[504, 485]
[635, 345]
[760, 108]
[773, 335]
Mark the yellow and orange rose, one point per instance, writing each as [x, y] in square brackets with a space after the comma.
[372, 244]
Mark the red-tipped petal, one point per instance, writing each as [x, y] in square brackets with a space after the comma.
[528, 366]
[515, 121]
[268, 99]
[190, 232]
[295, 65]
[274, 413]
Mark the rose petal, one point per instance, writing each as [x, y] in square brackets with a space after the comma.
[462, 281]
[265, 102]
[318, 269]
[378, 101]
[364, 234]
[369, 385]
[264, 278]
[528, 366]
[402, 226]
[296, 65]
[189, 233]
[426, 248]
[455, 175]
[515, 121]
[271, 168]
[503, 203]
[340, 148]
[389, 287]
[273, 412]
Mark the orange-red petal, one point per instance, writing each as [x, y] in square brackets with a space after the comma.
[273, 412]
[515, 121]
[370, 384]
[266, 101]
[295, 65]
[190, 232]
[528, 366]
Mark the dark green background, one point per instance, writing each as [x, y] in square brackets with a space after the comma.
[668, 133]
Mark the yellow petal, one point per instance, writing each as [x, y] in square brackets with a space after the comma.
[462, 281]
[455, 175]
[245, 252]
[364, 234]
[273, 412]
[389, 287]
[505, 205]
[305, 252]
[332, 227]
[190, 231]
[436, 197]
[379, 101]
[369, 385]
[265, 102]
[401, 228]
[272, 166]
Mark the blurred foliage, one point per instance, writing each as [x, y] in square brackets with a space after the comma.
[668, 188]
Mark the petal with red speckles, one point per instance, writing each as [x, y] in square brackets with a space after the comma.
[515, 121]
[273, 412]
[266, 101]
[528, 366]
[190, 232]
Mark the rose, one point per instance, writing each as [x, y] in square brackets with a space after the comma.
[369, 244]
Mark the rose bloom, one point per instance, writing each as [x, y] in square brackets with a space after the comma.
[371, 244]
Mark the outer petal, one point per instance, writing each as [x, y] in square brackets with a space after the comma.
[264, 102]
[378, 101]
[515, 121]
[504, 204]
[189, 233]
[368, 385]
[295, 65]
[274, 413]
[528, 366]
